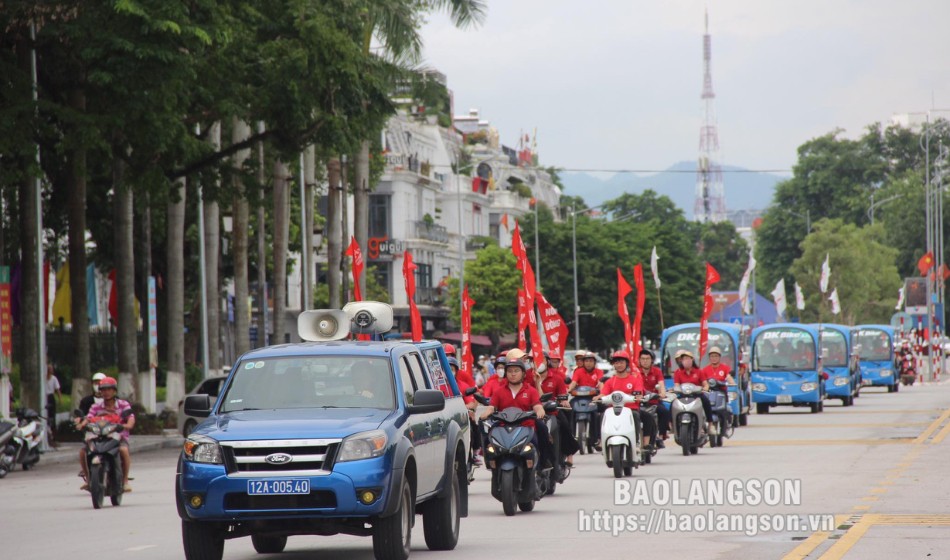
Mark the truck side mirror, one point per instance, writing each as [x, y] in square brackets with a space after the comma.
[199, 406]
[424, 401]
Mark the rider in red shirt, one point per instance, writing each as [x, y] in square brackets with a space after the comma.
[588, 375]
[552, 381]
[497, 380]
[655, 382]
[689, 373]
[717, 370]
[631, 382]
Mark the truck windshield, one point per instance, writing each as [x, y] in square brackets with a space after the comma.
[834, 349]
[784, 348]
[310, 382]
[871, 344]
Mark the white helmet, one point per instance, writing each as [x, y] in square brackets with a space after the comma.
[97, 377]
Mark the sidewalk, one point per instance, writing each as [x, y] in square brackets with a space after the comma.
[68, 452]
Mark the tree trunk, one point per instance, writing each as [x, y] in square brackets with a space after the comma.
[144, 382]
[262, 303]
[361, 204]
[175, 297]
[334, 231]
[82, 384]
[310, 180]
[281, 233]
[239, 235]
[212, 243]
[29, 299]
[127, 327]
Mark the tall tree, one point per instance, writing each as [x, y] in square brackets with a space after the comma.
[212, 242]
[175, 296]
[493, 282]
[126, 326]
[281, 178]
[241, 226]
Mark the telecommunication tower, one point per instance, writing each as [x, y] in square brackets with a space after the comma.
[710, 198]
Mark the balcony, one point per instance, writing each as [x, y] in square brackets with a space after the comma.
[431, 232]
[428, 296]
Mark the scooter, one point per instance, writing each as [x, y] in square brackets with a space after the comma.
[908, 372]
[560, 472]
[103, 436]
[621, 433]
[649, 450]
[23, 446]
[719, 403]
[689, 419]
[585, 413]
[7, 429]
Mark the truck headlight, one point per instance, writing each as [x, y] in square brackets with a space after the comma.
[365, 445]
[886, 373]
[840, 381]
[808, 387]
[202, 449]
[758, 387]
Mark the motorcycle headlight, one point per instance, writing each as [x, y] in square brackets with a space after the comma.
[202, 449]
[366, 445]
[758, 387]
[808, 387]
[886, 373]
[94, 428]
[840, 381]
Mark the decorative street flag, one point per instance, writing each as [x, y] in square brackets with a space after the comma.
[623, 290]
[467, 366]
[354, 251]
[554, 326]
[835, 305]
[521, 258]
[653, 267]
[900, 299]
[522, 320]
[925, 263]
[711, 278]
[744, 286]
[409, 275]
[537, 348]
[825, 274]
[799, 298]
[778, 295]
[641, 300]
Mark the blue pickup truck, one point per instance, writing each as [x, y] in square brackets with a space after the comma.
[325, 437]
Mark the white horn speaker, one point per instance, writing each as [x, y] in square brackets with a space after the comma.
[323, 324]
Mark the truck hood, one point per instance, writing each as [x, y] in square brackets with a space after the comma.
[296, 423]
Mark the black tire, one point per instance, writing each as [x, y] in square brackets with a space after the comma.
[743, 419]
[201, 541]
[97, 485]
[821, 406]
[814, 408]
[526, 506]
[392, 535]
[508, 497]
[628, 471]
[684, 439]
[762, 408]
[616, 459]
[582, 436]
[116, 498]
[440, 516]
[116, 487]
[897, 387]
[648, 458]
[268, 545]
[189, 427]
[694, 450]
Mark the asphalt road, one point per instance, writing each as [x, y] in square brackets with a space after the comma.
[877, 467]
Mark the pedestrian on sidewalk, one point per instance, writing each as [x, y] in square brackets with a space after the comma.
[53, 395]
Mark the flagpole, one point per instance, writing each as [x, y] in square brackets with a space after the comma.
[659, 302]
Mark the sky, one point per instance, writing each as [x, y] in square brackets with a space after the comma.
[615, 84]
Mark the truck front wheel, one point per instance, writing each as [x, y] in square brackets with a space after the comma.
[392, 535]
[268, 545]
[440, 516]
[201, 541]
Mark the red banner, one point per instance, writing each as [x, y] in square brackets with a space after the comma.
[537, 348]
[521, 258]
[468, 364]
[354, 251]
[623, 290]
[409, 275]
[554, 326]
[522, 320]
[711, 278]
[6, 321]
[641, 301]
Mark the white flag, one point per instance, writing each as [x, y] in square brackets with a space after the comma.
[799, 297]
[778, 295]
[835, 305]
[900, 300]
[825, 274]
[656, 273]
[744, 286]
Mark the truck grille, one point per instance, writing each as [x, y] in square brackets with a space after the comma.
[321, 499]
[307, 457]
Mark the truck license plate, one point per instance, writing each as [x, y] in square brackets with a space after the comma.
[783, 399]
[280, 486]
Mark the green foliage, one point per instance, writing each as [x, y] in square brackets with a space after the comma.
[374, 290]
[493, 281]
[522, 190]
[721, 245]
[862, 269]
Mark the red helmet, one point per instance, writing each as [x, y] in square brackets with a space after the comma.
[620, 355]
[108, 383]
[449, 349]
[553, 355]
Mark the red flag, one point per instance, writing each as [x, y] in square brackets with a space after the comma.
[504, 222]
[623, 290]
[641, 301]
[554, 326]
[945, 271]
[522, 320]
[925, 263]
[537, 348]
[409, 275]
[521, 256]
[711, 278]
[354, 251]
[467, 366]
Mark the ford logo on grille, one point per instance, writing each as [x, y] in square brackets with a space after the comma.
[279, 458]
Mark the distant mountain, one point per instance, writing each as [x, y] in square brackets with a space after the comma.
[744, 190]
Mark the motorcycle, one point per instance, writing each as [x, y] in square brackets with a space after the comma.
[689, 419]
[719, 404]
[585, 413]
[7, 429]
[517, 479]
[103, 436]
[621, 432]
[908, 372]
[23, 441]
[561, 471]
[649, 450]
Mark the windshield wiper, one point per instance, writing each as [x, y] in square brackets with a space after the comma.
[241, 409]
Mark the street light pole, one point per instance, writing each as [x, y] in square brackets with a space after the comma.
[204, 281]
[577, 331]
